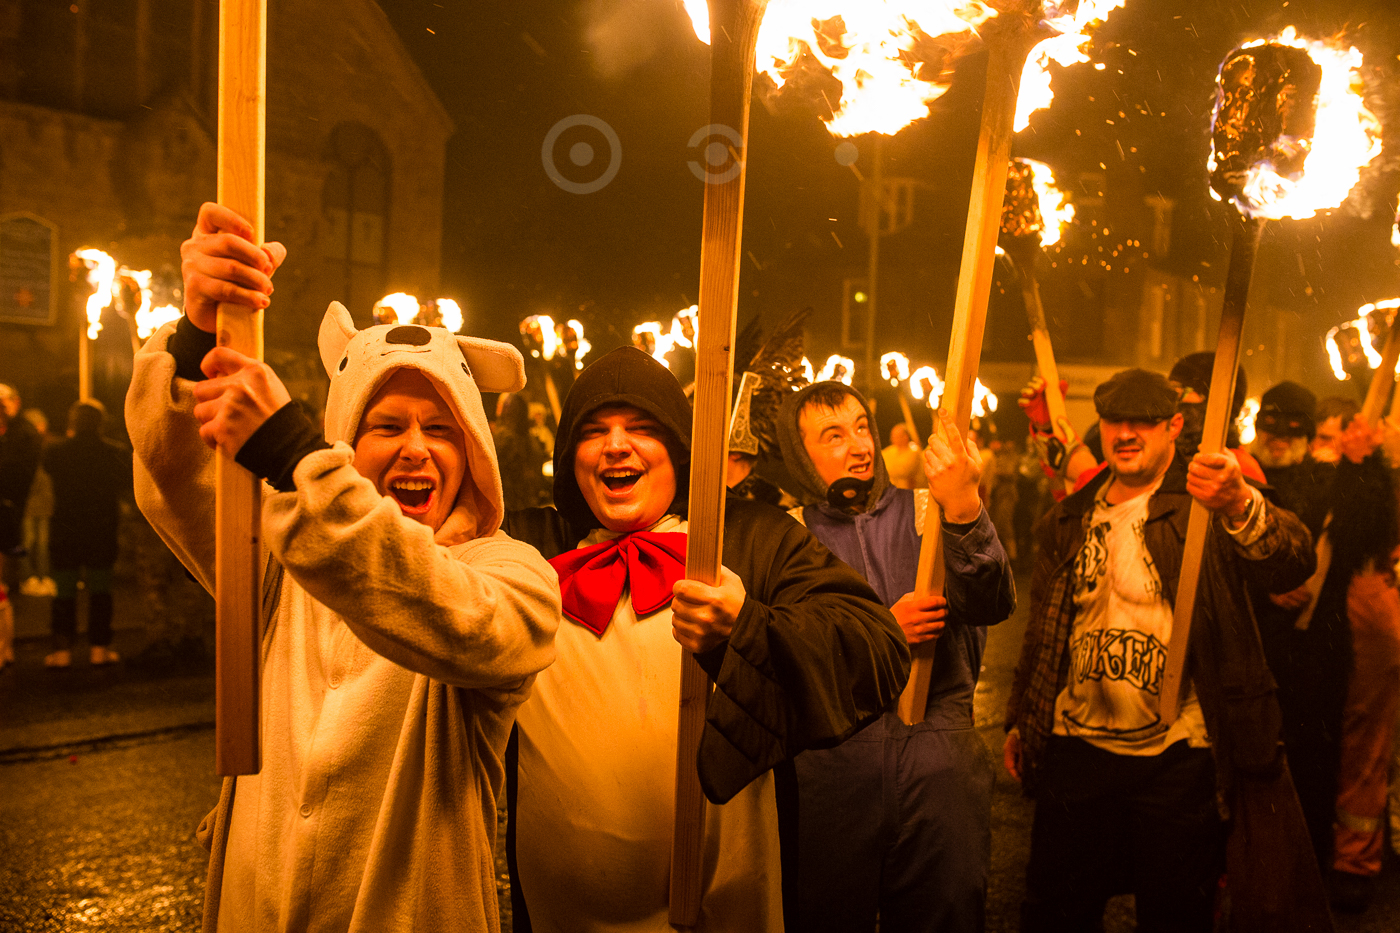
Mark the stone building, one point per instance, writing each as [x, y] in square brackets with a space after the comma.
[107, 139]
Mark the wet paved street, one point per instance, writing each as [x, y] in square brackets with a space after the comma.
[105, 773]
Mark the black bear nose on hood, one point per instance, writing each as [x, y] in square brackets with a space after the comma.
[408, 334]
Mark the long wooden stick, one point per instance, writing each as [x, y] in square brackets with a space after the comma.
[242, 105]
[1219, 409]
[734, 32]
[908, 418]
[1025, 257]
[1009, 39]
[1384, 379]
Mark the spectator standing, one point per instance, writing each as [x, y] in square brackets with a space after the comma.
[19, 458]
[38, 510]
[91, 475]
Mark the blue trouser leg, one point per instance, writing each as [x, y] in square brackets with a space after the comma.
[935, 874]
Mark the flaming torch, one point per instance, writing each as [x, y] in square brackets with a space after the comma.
[102, 276]
[1384, 380]
[1290, 135]
[895, 366]
[1032, 216]
[541, 339]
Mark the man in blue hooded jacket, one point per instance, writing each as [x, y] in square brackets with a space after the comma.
[896, 821]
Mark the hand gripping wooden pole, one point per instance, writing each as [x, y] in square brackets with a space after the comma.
[1009, 37]
[1384, 379]
[242, 104]
[1219, 409]
[734, 32]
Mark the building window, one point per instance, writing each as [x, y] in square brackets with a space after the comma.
[355, 205]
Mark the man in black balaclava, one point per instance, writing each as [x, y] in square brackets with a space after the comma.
[801, 651]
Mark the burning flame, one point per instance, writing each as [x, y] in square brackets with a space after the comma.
[983, 400]
[1065, 49]
[150, 320]
[108, 279]
[451, 313]
[1347, 137]
[900, 364]
[583, 345]
[926, 376]
[404, 306]
[1055, 210]
[661, 344]
[1245, 422]
[808, 372]
[549, 336]
[102, 276]
[1363, 331]
[699, 13]
[838, 368]
[870, 56]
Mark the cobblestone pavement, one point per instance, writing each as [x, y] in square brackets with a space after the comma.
[104, 774]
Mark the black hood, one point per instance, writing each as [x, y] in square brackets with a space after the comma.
[810, 487]
[626, 376]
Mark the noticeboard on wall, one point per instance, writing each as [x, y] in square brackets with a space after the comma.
[28, 270]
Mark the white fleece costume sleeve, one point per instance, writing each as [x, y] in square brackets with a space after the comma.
[393, 663]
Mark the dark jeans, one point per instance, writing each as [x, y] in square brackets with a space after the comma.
[1109, 824]
[64, 618]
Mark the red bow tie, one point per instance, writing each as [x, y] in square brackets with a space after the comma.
[592, 579]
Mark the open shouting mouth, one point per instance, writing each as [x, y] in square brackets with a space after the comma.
[414, 494]
[621, 480]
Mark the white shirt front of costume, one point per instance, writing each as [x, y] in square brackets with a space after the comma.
[1118, 646]
[596, 790]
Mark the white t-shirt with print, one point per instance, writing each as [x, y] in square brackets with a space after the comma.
[1118, 646]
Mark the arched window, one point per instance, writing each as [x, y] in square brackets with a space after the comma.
[355, 208]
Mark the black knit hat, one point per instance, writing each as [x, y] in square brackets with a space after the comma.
[1135, 395]
[1194, 370]
[626, 376]
[1287, 410]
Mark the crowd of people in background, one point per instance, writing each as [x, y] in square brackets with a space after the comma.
[1262, 799]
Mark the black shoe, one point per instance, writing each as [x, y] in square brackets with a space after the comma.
[1351, 893]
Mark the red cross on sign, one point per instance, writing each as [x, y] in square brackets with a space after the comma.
[24, 298]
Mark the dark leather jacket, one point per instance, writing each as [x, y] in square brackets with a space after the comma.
[1274, 882]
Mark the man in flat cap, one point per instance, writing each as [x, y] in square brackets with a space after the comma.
[1125, 801]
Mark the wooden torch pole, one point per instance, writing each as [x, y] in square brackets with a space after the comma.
[1010, 36]
[242, 104]
[1384, 379]
[734, 32]
[1219, 408]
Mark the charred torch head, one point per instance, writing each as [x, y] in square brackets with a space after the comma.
[1021, 220]
[1265, 111]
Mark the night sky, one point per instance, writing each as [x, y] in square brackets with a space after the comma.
[515, 243]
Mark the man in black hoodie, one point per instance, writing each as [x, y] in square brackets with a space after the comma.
[801, 652]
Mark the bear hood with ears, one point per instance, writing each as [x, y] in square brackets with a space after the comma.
[461, 368]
